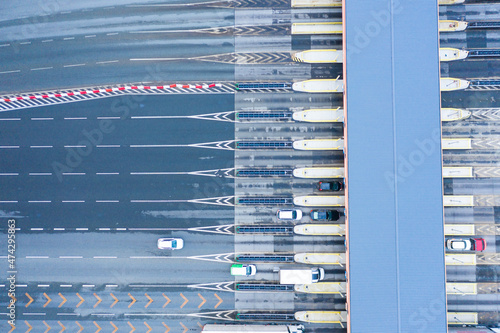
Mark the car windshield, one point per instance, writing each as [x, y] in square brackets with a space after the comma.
[174, 243]
[249, 270]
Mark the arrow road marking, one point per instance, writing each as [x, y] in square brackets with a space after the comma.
[81, 300]
[99, 300]
[30, 301]
[219, 303]
[48, 300]
[203, 301]
[116, 300]
[150, 301]
[185, 300]
[166, 303]
[133, 300]
[64, 300]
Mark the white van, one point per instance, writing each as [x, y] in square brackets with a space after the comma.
[289, 214]
[245, 270]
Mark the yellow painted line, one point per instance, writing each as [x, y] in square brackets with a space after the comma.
[199, 324]
[81, 327]
[459, 229]
[81, 300]
[166, 326]
[31, 299]
[29, 326]
[460, 259]
[220, 301]
[185, 300]
[457, 172]
[99, 300]
[149, 327]
[63, 300]
[98, 327]
[63, 328]
[150, 301]
[48, 300]
[202, 302]
[184, 326]
[133, 300]
[168, 300]
[48, 327]
[131, 326]
[461, 288]
[13, 327]
[458, 200]
[114, 326]
[116, 300]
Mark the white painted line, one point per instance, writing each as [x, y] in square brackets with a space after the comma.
[107, 201]
[76, 118]
[41, 147]
[102, 314]
[21, 285]
[44, 285]
[88, 285]
[40, 173]
[155, 146]
[36, 228]
[46, 118]
[108, 146]
[111, 285]
[108, 117]
[107, 173]
[47, 41]
[75, 65]
[8, 147]
[24, 43]
[106, 229]
[73, 201]
[37, 257]
[66, 285]
[73, 173]
[106, 62]
[8, 119]
[3, 45]
[82, 229]
[68, 38]
[2, 285]
[67, 314]
[90, 36]
[39, 201]
[104, 257]
[70, 257]
[7, 72]
[41, 68]
[77, 146]
[59, 229]
[8, 201]
[112, 34]
[66, 12]
[121, 229]
[34, 314]
[9, 174]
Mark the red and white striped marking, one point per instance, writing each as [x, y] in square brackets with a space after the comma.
[123, 88]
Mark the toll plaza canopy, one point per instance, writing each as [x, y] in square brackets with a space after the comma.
[396, 267]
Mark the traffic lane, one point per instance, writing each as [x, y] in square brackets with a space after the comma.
[471, 69]
[470, 99]
[115, 216]
[470, 12]
[129, 132]
[123, 20]
[119, 245]
[471, 186]
[286, 101]
[122, 271]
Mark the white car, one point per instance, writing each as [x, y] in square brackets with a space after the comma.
[170, 243]
[289, 214]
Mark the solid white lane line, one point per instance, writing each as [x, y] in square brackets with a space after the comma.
[111, 285]
[108, 146]
[6, 201]
[74, 65]
[9, 119]
[44, 285]
[106, 201]
[40, 173]
[75, 118]
[106, 62]
[82, 229]
[68, 38]
[9, 174]
[73, 201]
[36, 228]
[121, 229]
[41, 68]
[46, 118]
[39, 201]
[75, 146]
[73, 173]
[41, 146]
[21, 285]
[37, 257]
[59, 229]
[7, 72]
[108, 117]
[107, 173]
[66, 285]
[90, 36]
[47, 41]
[88, 285]
[8, 147]
[105, 229]
[70, 257]
[34, 314]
